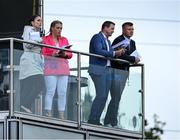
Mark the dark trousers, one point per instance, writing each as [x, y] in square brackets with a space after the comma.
[30, 87]
[119, 78]
[102, 85]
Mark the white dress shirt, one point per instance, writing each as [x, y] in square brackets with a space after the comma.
[107, 44]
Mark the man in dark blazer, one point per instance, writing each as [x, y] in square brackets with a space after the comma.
[99, 69]
[120, 71]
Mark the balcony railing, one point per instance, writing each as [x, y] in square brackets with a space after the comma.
[80, 91]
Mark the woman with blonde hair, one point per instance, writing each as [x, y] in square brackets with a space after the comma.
[56, 69]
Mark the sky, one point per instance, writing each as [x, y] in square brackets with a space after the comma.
[157, 32]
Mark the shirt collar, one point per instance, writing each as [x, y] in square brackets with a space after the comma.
[127, 38]
[104, 35]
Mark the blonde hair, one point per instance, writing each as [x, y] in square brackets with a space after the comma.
[53, 24]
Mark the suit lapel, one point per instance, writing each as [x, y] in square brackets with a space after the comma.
[132, 47]
[103, 40]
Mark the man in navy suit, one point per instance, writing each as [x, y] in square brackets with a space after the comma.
[99, 69]
[120, 71]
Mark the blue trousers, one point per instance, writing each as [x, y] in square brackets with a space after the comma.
[119, 78]
[102, 85]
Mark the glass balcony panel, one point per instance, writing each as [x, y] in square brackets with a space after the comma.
[28, 82]
[41, 91]
[86, 92]
[4, 74]
[72, 90]
[125, 107]
[130, 108]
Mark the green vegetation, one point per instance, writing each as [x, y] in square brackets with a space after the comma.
[156, 131]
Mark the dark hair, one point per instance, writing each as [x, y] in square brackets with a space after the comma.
[33, 18]
[107, 24]
[127, 24]
[54, 23]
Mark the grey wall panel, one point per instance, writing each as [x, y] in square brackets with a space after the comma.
[98, 138]
[37, 132]
[1, 130]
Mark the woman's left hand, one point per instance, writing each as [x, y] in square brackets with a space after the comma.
[62, 54]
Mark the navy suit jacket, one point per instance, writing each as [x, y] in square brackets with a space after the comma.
[126, 56]
[98, 46]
